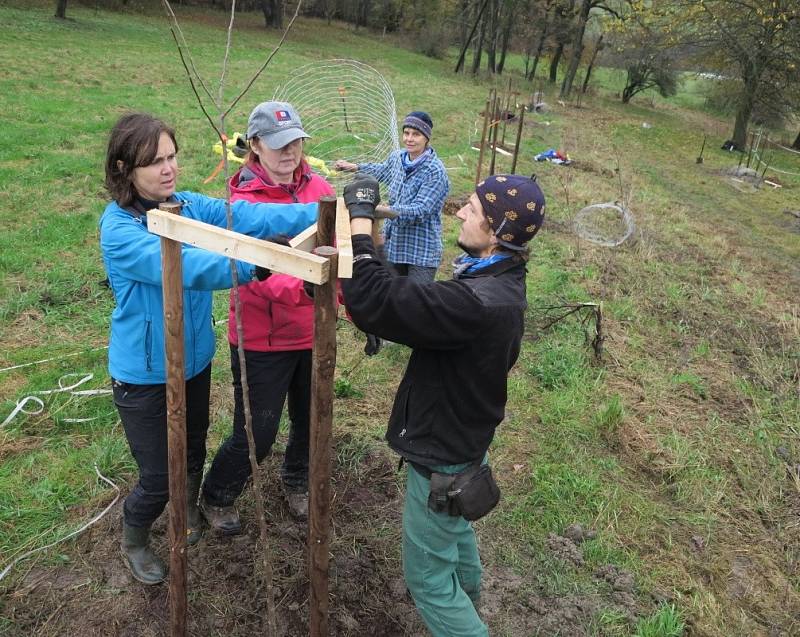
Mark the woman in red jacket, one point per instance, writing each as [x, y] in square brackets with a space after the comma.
[277, 318]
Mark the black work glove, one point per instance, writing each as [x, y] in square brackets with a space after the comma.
[308, 287]
[361, 196]
[373, 345]
[262, 273]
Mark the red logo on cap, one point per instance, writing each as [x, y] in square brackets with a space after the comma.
[282, 116]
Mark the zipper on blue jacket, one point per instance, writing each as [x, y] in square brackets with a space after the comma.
[148, 344]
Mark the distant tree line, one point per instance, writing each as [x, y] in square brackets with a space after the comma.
[753, 44]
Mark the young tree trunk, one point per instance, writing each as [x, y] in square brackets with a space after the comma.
[539, 49]
[491, 49]
[61, 9]
[460, 63]
[504, 41]
[577, 49]
[554, 62]
[273, 13]
[589, 68]
[745, 109]
[476, 60]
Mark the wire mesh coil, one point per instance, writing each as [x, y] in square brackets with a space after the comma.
[605, 224]
[348, 108]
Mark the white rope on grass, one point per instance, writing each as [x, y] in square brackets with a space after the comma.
[95, 519]
[605, 224]
[83, 378]
[55, 358]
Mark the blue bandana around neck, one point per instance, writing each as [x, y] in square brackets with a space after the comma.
[409, 165]
[466, 264]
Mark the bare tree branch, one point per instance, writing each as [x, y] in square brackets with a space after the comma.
[269, 59]
[181, 44]
[225, 62]
[194, 88]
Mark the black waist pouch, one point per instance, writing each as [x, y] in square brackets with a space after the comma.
[471, 494]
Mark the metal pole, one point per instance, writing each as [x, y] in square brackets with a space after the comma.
[172, 284]
[323, 364]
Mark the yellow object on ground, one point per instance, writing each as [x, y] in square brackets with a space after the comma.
[217, 148]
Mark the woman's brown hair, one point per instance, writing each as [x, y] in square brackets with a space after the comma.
[133, 143]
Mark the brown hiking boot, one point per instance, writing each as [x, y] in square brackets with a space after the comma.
[224, 520]
[298, 504]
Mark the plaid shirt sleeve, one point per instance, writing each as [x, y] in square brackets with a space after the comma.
[382, 171]
[429, 199]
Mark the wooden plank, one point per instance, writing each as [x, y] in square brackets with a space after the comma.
[343, 241]
[306, 240]
[231, 244]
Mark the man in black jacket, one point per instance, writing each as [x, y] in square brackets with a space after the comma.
[465, 336]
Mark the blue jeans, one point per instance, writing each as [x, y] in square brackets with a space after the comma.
[441, 563]
[271, 377]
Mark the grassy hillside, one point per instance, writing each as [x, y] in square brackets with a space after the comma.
[679, 448]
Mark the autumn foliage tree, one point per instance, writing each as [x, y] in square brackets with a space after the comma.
[755, 41]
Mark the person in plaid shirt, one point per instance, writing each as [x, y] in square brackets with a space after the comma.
[418, 186]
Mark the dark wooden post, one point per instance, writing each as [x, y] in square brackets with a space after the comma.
[483, 142]
[505, 114]
[172, 283]
[323, 364]
[493, 134]
[519, 137]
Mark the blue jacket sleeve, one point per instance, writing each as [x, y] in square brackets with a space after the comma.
[253, 219]
[130, 251]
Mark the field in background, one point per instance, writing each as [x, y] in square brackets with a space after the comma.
[679, 449]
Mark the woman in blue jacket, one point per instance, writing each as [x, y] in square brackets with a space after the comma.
[141, 172]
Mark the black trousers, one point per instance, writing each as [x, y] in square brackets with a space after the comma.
[271, 376]
[143, 410]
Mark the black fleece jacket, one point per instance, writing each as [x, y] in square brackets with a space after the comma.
[465, 336]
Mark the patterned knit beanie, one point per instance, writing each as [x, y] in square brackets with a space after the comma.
[513, 206]
[420, 121]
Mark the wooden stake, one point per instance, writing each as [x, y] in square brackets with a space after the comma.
[172, 284]
[323, 364]
[496, 126]
[483, 141]
[505, 113]
[519, 137]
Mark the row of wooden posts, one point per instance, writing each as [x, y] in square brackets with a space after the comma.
[321, 267]
[497, 111]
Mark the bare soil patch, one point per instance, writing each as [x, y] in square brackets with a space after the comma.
[90, 593]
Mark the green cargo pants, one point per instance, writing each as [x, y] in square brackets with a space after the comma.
[441, 563]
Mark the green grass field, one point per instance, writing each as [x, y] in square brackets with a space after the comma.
[679, 448]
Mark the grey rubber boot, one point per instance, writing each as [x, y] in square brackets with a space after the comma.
[144, 564]
[194, 521]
